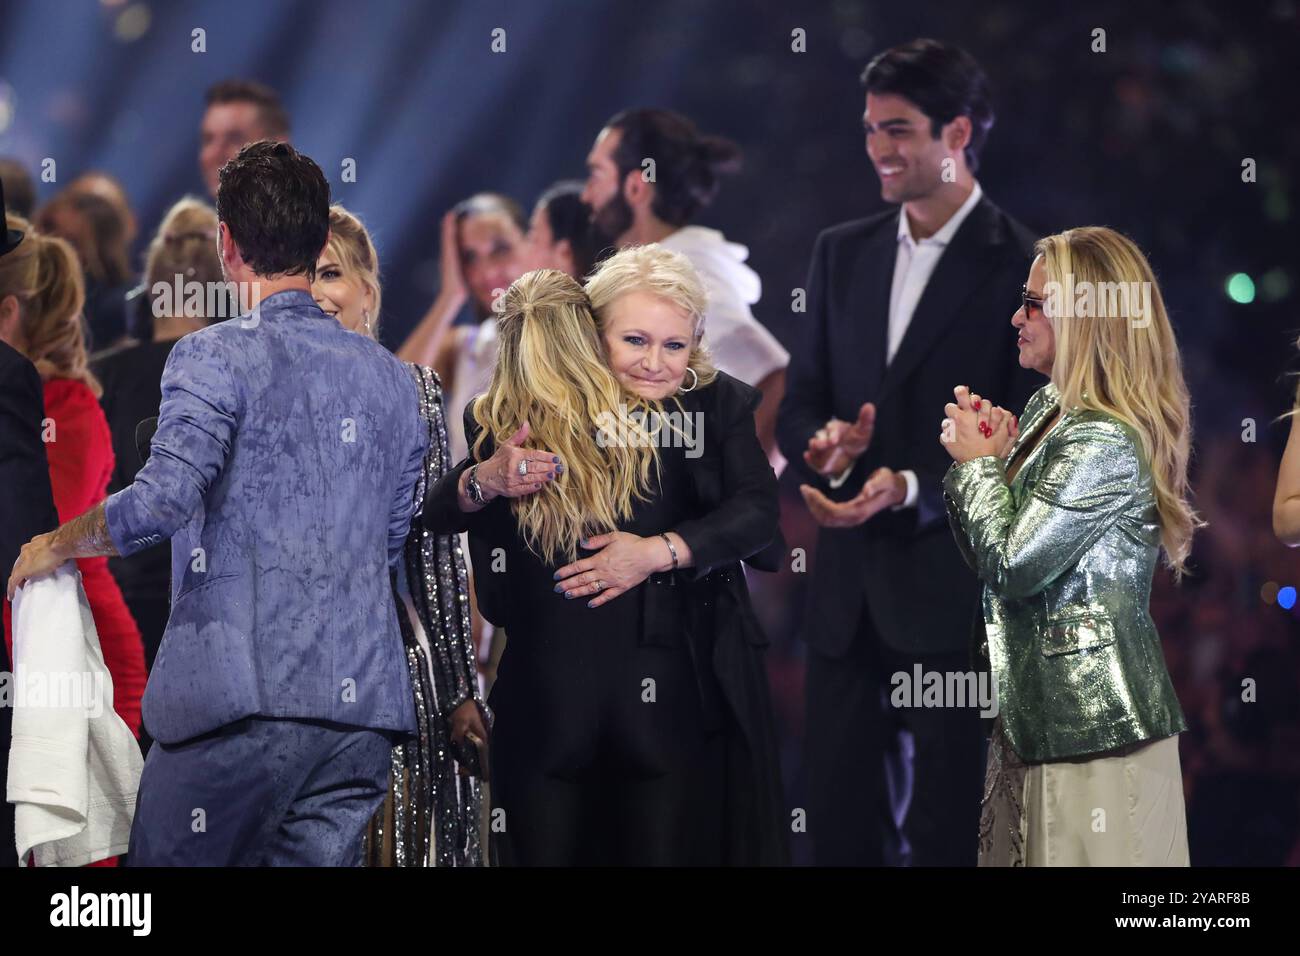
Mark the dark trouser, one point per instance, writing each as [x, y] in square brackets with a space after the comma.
[261, 792]
[889, 786]
[590, 773]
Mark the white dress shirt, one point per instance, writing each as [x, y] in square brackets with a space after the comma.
[741, 345]
[914, 263]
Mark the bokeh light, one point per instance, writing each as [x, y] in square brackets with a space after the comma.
[1240, 288]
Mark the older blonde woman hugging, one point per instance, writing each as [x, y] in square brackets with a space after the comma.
[632, 719]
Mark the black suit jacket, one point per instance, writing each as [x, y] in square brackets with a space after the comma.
[26, 510]
[26, 501]
[901, 567]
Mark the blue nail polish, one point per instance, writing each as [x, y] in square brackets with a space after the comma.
[559, 468]
[568, 595]
[591, 604]
[559, 588]
[556, 459]
[555, 576]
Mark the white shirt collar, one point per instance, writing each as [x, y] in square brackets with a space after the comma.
[949, 228]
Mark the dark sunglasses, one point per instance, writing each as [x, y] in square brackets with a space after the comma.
[1029, 301]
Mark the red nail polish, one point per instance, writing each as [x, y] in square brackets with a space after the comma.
[977, 405]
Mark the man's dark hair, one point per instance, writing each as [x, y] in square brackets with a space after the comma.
[276, 203]
[271, 113]
[943, 81]
[19, 188]
[570, 219]
[688, 164]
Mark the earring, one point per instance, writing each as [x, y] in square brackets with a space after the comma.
[365, 315]
[695, 376]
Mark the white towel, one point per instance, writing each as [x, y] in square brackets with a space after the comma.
[74, 765]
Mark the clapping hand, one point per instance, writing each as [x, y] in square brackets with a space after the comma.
[839, 444]
[975, 428]
[885, 488]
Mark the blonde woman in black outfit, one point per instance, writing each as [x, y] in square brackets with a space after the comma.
[633, 724]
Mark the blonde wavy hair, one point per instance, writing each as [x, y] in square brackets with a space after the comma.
[661, 272]
[351, 244]
[551, 373]
[1110, 364]
[44, 274]
[185, 245]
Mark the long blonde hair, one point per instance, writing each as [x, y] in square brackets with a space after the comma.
[186, 246]
[551, 372]
[1114, 364]
[350, 242]
[44, 274]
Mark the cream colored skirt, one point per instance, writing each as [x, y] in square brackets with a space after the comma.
[1122, 810]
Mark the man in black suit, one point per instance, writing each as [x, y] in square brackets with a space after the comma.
[26, 502]
[902, 307]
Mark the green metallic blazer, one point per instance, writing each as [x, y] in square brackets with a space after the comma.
[1067, 552]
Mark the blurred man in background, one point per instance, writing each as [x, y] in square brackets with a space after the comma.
[634, 203]
[18, 188]
[238, 112]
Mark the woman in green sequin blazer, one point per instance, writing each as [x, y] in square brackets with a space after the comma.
[1063, 515]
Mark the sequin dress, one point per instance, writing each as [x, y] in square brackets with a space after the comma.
[432, 814]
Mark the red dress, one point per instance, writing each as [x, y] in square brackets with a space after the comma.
[81, 462]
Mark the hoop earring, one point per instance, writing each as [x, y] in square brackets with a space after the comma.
[695, 380]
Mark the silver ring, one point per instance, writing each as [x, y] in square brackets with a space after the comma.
[523, 468]
[600, 585]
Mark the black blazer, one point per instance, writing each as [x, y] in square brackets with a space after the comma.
[26, 510]
[27, 503]
[736, 519]
[901, 567]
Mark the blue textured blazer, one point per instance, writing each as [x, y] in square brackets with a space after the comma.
[284, 470]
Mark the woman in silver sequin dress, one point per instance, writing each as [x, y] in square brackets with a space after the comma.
[432, 814]
[1063, 517]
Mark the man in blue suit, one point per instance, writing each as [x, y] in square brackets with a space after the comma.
[284, 470]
